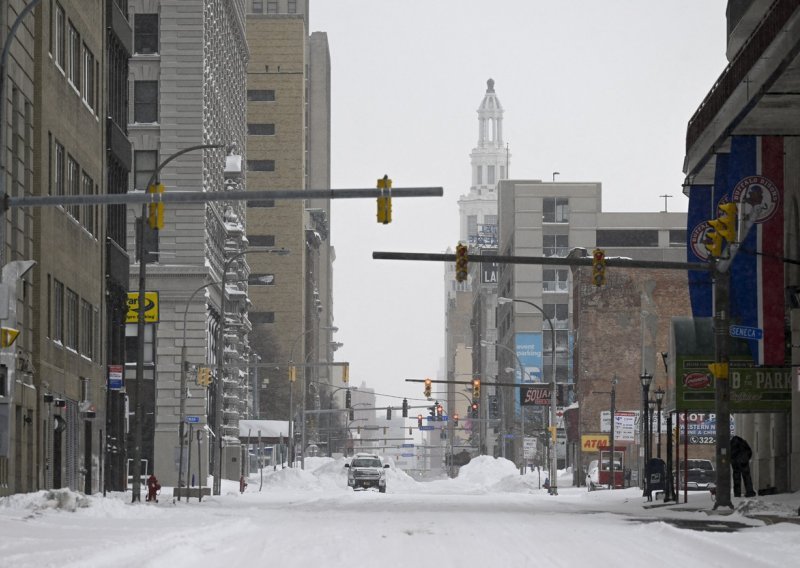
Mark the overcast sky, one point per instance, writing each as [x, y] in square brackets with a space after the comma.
[600, 91]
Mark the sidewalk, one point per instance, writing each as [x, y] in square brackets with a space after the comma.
[770, 509]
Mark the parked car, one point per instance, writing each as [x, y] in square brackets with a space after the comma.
[700, 475]
[366, 471]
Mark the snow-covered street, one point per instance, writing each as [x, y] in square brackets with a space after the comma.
[488, 516]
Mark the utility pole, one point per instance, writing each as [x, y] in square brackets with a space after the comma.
[722, 386]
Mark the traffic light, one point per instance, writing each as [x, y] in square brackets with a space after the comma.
[347, 399]
[723, 228]
[494, 410]
[8, 335]
[474, 409]
[432, 410]
[598, 267]
[427, 390]
[352, 415]
[292, 373]
[155, 211]
[476, 389]
[388, 413]
[204, 377]
[552, 430]
[455, 419]
[405, 408]
[385, 200]
[419, 420]
[462, 262]
[439, 411]
[719, 370]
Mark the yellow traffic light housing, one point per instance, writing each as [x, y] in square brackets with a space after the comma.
[155, 211]
[476, 389]
[462, 263]
[723, 228]
[292, 373]
[719, 370]
[552, 430]
[385, 200]
[8, 335]
[598, 267]
[427, 390]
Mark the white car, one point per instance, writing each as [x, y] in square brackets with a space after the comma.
[366, 471]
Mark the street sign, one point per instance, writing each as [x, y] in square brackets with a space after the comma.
[406, 455]
[407, 446]
[192, 419]
[745, 332]
[509, 436]
[115, 381]
[426, 427]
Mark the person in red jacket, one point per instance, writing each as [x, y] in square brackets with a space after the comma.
[153, 487]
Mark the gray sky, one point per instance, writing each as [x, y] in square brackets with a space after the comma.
[596, 90]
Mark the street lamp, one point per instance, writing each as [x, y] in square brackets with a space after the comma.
[659, 398]
[219, 380]
[645, 378]
[140, 320]
[553, 392]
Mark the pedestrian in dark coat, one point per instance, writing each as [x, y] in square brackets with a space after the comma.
[740, 463]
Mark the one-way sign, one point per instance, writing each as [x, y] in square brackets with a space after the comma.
[745, 332]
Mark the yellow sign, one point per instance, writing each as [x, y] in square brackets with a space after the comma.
[594, 442]
[150, 304]
[7, 336]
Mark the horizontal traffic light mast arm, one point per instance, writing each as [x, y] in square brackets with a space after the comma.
[545, 260]
[205, 196]
[492, 384]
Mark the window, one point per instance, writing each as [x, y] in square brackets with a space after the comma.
[144, 164]
[89, 95]
[479, 175]
[145, 33]
[555, 210]
[677, 237]
[490, 220]
[145, 101]
[490, 175]
[86, 389]
[558, 314]
[555, 245]
[261, 165]
[262, 317]
[58, 311]
[562, 340]
[261, 129]
[71, 320]
[627, 238]
[555, 280]
[292, 7]
[74, 64]
[261, 279]
[261, 240]
[86, 334]
[73, 186]
[258, 6]
[272, 6]
[261, 203]
[259, 95]
[87, 188]
[472, 225]
[58, 35]
[132, 342]
[58, 170]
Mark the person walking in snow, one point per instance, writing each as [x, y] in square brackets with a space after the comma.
[740, 463]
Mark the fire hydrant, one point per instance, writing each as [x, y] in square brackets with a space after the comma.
[153, 487]
[242, 484]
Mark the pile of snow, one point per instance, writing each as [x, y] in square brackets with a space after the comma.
[60, 499]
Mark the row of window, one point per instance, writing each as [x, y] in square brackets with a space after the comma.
[491, 177]
[272, 6]
[73, 56]
[68, 178]
[72, 321]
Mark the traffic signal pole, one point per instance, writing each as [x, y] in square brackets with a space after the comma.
[722, 386]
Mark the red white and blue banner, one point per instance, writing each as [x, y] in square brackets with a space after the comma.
[755, 182]
[752, 176]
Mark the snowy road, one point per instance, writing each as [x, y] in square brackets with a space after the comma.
[491, 517]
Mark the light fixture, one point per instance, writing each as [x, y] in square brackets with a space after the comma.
[646, 379]
[659, 395]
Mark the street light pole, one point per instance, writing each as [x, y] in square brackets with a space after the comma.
[219, 388]
[659, 399]
[645, 378]
[553, 490]
[140, 320]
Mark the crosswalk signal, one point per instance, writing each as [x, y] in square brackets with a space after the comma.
[419, 420]
[432, 410]
[439, 411]
[405, 408]
[476, 389]
[455, 419]
[155, 211]
[462, 263]
[598, 267]
[427, 390]
[385, 200]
